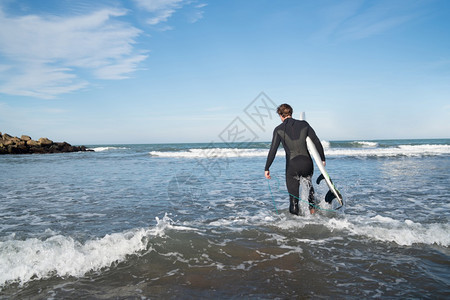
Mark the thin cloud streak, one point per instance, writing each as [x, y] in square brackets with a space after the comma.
[161, 10]
[354, 20]
[40, 81]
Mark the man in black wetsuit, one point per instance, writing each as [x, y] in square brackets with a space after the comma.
[299, 166]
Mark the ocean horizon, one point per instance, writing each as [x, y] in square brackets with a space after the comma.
[442, 140]
[199, 220]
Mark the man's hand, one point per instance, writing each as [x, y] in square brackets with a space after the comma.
[324, 163]
[267, 174]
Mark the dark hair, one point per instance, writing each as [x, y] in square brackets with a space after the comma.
[285, 110]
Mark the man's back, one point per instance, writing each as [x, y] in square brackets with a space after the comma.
[293, 135]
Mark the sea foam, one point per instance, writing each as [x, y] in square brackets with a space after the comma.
[22, 261]
[213, 153]
[379, 228]
[386, 229]
[106, 148]
[33, 258]
[365, 149]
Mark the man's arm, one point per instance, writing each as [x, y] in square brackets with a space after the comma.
[276, 140]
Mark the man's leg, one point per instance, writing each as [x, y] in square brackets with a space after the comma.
[292, 185]
[311, 200]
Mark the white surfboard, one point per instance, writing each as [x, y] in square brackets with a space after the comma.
[334, 192]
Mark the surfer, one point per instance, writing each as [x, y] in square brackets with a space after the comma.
[299, 165]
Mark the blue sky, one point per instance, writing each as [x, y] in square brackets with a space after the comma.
[143, 71]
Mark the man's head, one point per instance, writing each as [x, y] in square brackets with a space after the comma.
[284, 110]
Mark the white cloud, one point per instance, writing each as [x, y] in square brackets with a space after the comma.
[39, 80]
[43, 53]
[162, 10]
[120, 70]
[158, 5]
[162, 16]
[197, 13]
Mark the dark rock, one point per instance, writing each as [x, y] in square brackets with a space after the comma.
[3, 149]
[8, 142]
[45, 142]
[32, 143]
[26, 145]
[38, 149]
[6, 136]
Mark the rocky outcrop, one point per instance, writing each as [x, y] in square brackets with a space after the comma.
[26, 145]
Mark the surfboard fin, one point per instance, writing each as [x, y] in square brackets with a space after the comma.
[319, 179]
[329, 197]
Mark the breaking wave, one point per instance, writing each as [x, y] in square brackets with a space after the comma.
[33, 259]
[366, 149]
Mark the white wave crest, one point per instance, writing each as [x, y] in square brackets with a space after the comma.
[403, 233]
[33, 258]
[367, 144]
[370, 150]
[213, 153]
[379, 228]
[22, 261]
[100, 149]
[402, 150]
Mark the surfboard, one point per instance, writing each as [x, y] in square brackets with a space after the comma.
[333, 192]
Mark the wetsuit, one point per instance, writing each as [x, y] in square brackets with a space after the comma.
[292, 133]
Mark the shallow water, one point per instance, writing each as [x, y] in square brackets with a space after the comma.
[190, 221]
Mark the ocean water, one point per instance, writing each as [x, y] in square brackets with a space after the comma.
[197, 221]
